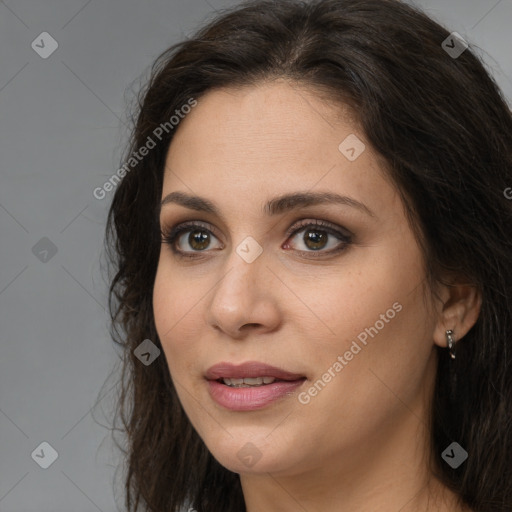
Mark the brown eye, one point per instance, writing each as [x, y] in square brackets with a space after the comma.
[320, 238]
[315, 239]
[198, 239]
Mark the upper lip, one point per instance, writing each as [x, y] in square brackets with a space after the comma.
[249, 369]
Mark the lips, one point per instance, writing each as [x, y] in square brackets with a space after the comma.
[233, 387]
[249, 369]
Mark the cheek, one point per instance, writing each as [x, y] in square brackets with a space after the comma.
[374, 314]
[165, 306]
[175, 302]
[354, 300]
[384, 358]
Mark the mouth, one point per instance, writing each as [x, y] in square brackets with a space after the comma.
[251, 385]
[248, 382]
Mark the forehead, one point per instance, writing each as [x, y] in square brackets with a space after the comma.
[276, 112]
[259, 141]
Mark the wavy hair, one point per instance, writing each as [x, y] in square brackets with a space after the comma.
[444, 130]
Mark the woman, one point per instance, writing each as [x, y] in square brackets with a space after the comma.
[313, 240]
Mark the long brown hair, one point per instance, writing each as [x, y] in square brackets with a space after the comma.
[444, 129]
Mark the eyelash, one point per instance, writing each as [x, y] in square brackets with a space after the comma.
[169, 237]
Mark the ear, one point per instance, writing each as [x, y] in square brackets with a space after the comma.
[460, 308]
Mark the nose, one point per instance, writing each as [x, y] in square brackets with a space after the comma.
[244, 298]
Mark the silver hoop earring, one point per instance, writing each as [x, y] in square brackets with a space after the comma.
[451, 343]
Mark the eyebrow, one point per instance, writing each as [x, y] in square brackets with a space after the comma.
[275, 206]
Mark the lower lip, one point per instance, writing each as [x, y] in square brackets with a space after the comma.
[250, 399]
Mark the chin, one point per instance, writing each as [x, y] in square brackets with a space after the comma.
[251, 454]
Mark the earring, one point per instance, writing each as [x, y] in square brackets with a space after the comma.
[451, 343]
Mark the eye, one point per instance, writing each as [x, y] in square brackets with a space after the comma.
[315, 238]
[198, 238]
[318, 236]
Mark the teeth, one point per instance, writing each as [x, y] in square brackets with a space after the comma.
[256, 381]
[248, 381]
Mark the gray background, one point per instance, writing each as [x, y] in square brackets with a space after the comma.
[62, 129]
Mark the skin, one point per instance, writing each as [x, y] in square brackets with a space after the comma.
[361, 443]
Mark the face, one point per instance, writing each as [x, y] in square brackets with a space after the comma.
[331, 292]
